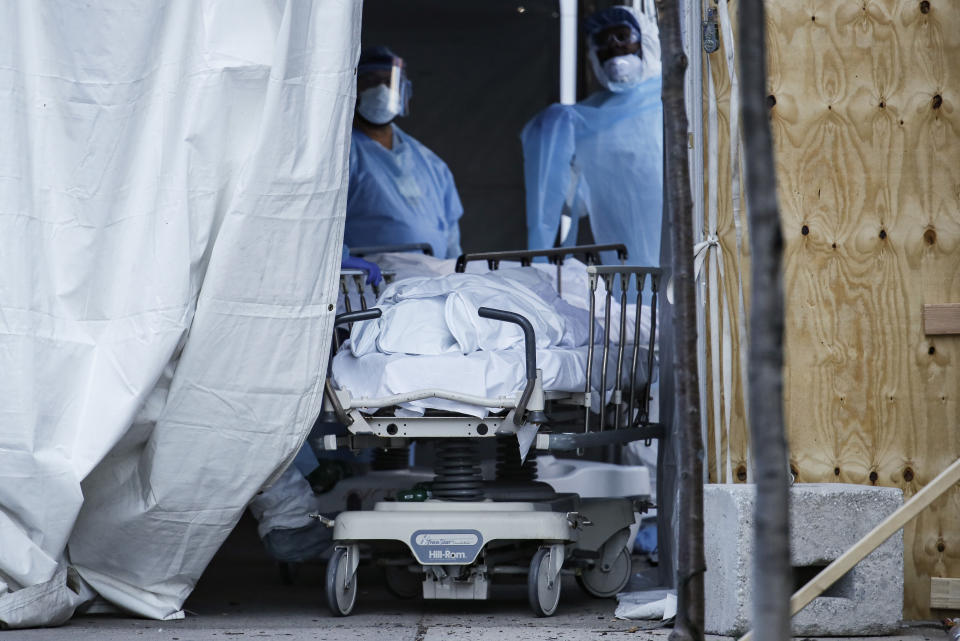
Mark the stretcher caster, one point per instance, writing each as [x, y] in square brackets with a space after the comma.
[543, 580]
[342, 580]
[606, 582]
[402, 583]
[288, 573]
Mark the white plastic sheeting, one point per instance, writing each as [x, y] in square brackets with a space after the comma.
[172, 192]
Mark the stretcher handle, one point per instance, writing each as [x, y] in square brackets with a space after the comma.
[425, 248]
[530, 345]
[359, 315]
[529, 340]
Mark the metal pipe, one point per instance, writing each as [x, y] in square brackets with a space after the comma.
[617, 388]
[529, 338]
[589, 252]
[506, 402]
[353, 317]
[641, 283]
[346, 293]
[607, 282]
[330, 395]
[568, 52]
[361, 291]
[651, 344]
[530, 345]
[564, 442]
[590, 332]
[425, 248]
[616, 270]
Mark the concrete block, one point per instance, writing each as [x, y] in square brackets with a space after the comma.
[825, 520]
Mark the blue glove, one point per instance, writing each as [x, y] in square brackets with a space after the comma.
[373, 272]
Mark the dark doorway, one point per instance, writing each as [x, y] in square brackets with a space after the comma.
[480, 70]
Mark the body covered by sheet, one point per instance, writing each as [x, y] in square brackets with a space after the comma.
[431, 336]
[426, 316]
[574, 286]
[172, 193]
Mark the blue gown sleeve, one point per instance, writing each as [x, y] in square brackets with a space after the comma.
[453, 241]
[576, 208]
[454, 211]
[549, 143]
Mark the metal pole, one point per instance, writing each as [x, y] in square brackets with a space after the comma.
[590, 332]
[608, 283]
[618, 386]
[568, 52]
[638, 316]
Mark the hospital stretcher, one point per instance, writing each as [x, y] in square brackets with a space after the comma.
[452, 537]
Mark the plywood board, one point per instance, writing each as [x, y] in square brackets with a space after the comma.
[941, 319]
[865, 111]
[945, 593]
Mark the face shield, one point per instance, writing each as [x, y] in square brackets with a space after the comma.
[383, 90]
[615, 37]
[614, 48]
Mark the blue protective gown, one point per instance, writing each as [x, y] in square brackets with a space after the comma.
[401, 195]
[605, 156]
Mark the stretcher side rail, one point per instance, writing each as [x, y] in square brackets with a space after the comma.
[624, 414]
[569, 442]
[504, 402]
[358, 278]
[360, 252]
[555, 256]
[628, 276]
[531, 397]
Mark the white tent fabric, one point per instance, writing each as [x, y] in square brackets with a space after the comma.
[172, 192]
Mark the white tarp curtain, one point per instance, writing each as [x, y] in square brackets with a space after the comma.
[172, 193]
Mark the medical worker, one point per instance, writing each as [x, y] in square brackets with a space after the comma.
[400, 191]
[282, 510]
[603, 156]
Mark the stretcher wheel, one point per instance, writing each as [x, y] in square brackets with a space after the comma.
[341, 588]
[543, 589]
[288, 573]
[402, 583]
[600, 584]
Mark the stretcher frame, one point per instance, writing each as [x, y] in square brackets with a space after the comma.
[586, 537]
[624, 417]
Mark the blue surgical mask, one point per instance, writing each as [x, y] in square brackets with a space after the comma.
[378, 105]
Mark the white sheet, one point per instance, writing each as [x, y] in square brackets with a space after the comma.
[437, 315]
[481, 373]
[172, 191]
[574, 285]
[430, 336]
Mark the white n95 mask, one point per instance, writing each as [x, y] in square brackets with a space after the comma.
[379, 104]
[623, 72]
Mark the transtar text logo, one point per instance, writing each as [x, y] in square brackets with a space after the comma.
[447, 538]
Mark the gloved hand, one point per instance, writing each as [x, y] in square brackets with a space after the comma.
[373, 272]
